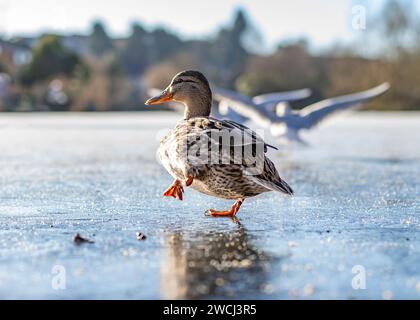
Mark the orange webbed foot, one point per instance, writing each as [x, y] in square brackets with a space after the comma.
[226, 213]
[176, 190]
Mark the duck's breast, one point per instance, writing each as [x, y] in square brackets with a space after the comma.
[172, 151]
[169, 154]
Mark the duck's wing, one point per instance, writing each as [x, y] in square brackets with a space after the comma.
[233, 137]
[224, 141]
[277, 97]
[315, 113]
[268, 176]
[247, 132]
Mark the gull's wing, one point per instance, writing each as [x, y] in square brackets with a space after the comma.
[313, 114]
[276, 97]
[222, 110]
[244, 106]
[219, 94]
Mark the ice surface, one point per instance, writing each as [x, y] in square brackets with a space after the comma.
[356, 204]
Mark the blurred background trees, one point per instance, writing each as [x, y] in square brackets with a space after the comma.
[49, 59]
[99, 41]
[98, 72]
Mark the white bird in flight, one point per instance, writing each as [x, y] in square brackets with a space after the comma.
[273, 110]
[268, 101]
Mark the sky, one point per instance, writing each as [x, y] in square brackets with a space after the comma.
[323, 21]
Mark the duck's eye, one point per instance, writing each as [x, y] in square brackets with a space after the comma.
[177, 81]
[182, 80]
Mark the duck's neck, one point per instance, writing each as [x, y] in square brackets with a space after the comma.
[198, 107]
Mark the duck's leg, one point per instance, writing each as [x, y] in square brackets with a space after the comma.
[176, 190]
[189, 181]
[226, 213]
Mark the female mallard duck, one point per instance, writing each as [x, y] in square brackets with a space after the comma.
[220, 158]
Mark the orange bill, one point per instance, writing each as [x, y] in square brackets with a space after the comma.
[165, 96]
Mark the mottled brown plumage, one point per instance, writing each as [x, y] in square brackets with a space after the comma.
[220, 158]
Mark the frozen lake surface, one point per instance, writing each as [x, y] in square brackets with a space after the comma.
[354, 222]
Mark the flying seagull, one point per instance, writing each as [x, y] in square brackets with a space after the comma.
[268, 101]
[286, 123]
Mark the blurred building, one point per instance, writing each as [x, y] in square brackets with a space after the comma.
[15, 53]
[77, 43]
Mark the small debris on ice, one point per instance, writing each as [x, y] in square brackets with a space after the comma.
[78, 239]
[140, 236]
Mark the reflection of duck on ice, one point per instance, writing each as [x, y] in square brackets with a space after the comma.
[219, 264]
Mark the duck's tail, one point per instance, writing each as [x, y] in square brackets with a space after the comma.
[284, 187]
[270, 179]
[275, 185]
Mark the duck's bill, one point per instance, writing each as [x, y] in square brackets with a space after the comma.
[165, 96]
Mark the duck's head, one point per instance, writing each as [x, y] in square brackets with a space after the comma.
[192, 89]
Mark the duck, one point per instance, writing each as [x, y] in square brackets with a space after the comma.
[219, 158]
